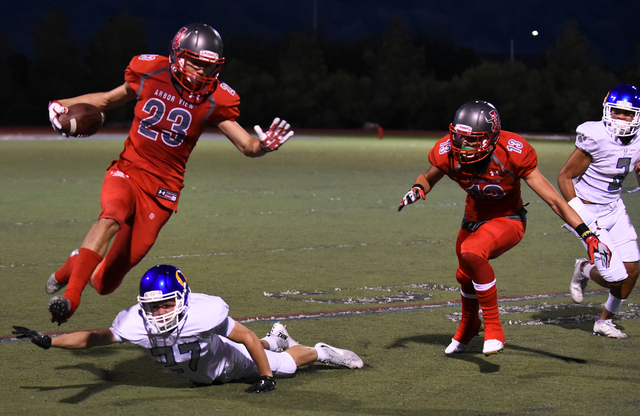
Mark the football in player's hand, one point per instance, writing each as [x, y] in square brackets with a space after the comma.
[82, 120]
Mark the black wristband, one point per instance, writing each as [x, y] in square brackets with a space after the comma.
[417, 185]
[43, 341]
[583, 231]
[269, 379]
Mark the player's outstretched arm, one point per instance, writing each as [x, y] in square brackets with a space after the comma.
[102, 100]
[422, 186]
[74, 340]
[250, 146]
[541, 186]
[241, 139]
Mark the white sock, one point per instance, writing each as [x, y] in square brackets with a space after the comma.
[271, 340]
[321, 354]
[586, 270]
[468, 295]
[613, 304]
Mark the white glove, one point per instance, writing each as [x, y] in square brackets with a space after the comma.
[55, 109]
[275, 137]
[416, 193]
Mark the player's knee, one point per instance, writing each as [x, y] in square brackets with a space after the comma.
[117, 210]
[613, 275]
[462, 277]
[106, 291]
[633, 270]
[471, 261]
[104, 287]
[110, 225]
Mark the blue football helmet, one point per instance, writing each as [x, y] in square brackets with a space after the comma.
[160, 284]
[623, 97]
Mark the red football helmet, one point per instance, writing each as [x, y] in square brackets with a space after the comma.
[196, 59]
[474, 131]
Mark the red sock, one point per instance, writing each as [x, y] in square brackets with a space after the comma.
[484, 283]
[488, 300]
[86, 262]
[63, 273]
[470, 322]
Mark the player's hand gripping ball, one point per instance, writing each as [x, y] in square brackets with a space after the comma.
[79, 120]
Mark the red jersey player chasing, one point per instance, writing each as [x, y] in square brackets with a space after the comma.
[488, 163]
[177, 98]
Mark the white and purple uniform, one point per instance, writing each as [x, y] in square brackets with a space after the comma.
[198, 350]
[601, 186]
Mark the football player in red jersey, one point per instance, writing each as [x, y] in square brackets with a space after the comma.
[177, 98]
[488, 163]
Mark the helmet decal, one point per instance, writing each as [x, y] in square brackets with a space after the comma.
[205, 54]
[494, 120]
[463, 128]
[175, 44]
[180, 278]
[153, 293]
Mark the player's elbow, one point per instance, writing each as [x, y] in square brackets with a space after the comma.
[95, 339]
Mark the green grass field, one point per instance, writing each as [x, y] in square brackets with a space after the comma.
[305, 233]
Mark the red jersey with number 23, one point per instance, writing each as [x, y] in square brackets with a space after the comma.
[166, 127]
[496, 191]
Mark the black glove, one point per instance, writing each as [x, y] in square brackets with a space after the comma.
[264, 385]
[42, 341]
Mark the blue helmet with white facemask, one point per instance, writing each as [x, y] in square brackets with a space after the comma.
[160, 284]
[622, 97]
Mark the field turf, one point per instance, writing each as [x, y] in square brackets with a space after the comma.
[310, 235]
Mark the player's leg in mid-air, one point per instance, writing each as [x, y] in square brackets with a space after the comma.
[132, 243]
[134, 219]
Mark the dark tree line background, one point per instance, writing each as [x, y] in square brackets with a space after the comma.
[397, 79]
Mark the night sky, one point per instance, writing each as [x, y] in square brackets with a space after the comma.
[485, 26]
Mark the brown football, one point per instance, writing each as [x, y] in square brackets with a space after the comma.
[82, 120]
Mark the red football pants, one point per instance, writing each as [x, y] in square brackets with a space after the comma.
[140, 218]
[474, 250]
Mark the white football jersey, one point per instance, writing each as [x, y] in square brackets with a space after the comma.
[611, 162]
[197, 350]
